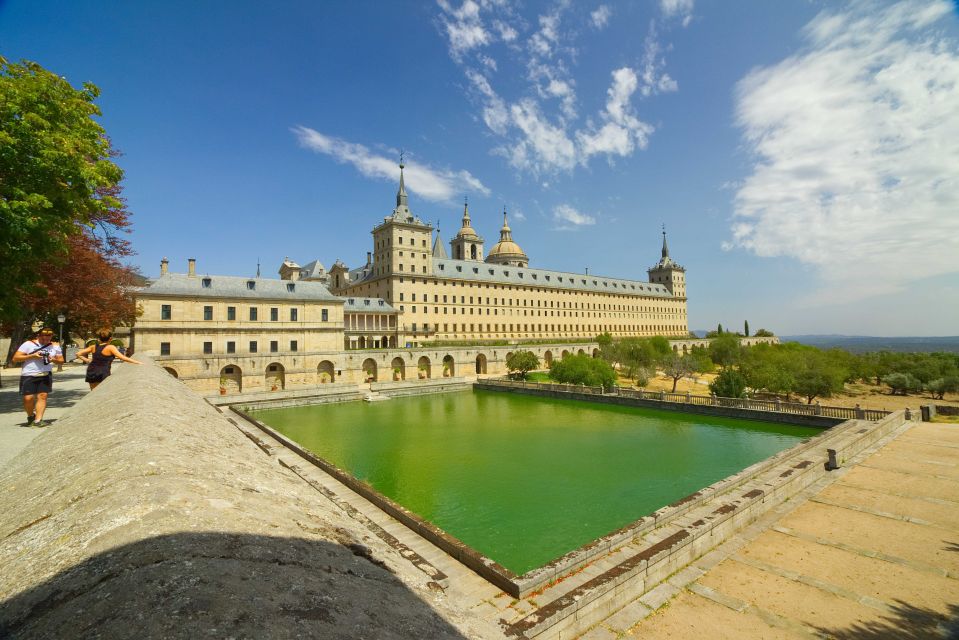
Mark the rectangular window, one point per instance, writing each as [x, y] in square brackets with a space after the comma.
[274, 346]
[207, 313]
[253, 311]
[231, 313]
[325, 315]
[164, 348]
[252, 346]
[274, 314]
[207, 347]
[293, 345]
[293, 314]
[165, 312]
[230, 347]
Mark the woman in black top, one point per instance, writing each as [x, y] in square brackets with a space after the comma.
[101, 358]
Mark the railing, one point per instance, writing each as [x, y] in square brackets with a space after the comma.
[798, 408]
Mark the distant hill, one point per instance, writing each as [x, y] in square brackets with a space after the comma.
[861, 344]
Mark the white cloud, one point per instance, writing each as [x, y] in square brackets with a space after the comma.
[600, 17]
[622, 132]
[856, 145]
[438, 185]
[539, 128]
[655, 80]
[517, 215]
[683, 9]
[464, 27]
[569, 218]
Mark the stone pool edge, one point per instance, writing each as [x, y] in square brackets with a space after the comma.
[520, 586]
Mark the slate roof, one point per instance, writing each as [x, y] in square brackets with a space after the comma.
[367, 305]
[502, 274]
[206, 286]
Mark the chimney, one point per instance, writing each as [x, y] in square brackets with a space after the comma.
[192, 267]
[369, 257]
[164, 266]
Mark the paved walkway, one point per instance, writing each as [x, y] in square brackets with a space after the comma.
[68, 388]
[874, 554]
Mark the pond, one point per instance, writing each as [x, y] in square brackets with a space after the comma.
[523, 479]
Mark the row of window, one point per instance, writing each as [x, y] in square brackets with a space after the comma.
[539, 328]
[231, 347]
[530, 312]
[530, 289]
[522, 302]
[166, 313]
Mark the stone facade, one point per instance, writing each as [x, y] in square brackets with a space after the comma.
[382, 320]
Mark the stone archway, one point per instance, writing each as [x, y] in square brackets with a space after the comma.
[171, 371]
[595, 353]
[685, 351]
[565, 354]
[480, 363]
[398, 367]
[369, 370]
[581, 353]
[424, 368]
[548, 358]
[325, 372]
[231, 379]
[275, 377]
[449, 366]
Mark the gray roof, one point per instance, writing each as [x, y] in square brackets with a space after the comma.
[313, 269]
[206, 286]
[439, 251]
[486, 272]
[367, 305]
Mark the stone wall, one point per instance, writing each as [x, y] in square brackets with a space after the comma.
[146, 513]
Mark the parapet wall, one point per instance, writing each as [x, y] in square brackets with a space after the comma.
[146, 513]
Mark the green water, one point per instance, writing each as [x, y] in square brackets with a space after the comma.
[522, 479]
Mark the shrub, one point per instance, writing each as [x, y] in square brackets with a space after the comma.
[582, 369]
[903, 383]
[939, 387]
[520, 363]
[729, 384]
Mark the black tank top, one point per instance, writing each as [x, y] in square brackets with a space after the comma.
[100, 361]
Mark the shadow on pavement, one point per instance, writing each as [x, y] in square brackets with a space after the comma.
[904, 622]
[189, 585]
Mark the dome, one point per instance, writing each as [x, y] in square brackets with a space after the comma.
[506, 251]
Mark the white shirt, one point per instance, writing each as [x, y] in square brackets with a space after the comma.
[35, 366]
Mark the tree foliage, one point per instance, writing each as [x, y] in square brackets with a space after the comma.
[728, 384]
[520, 363]
[676, 367]
[60, 204]
[582, 369]
[725, 350]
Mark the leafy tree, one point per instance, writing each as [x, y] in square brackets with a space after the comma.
[728, 384]
[746, 328]
[769, 367]
[582, 369]
[763, 333]
[520, 363]
[939, 387]
[59, 191]
[719, 329]
[676, 367]
[661, 346]
[702, 363]
[725, 350]
[903, 383]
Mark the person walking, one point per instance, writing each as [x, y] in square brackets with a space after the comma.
[101, 356]
[36, 374]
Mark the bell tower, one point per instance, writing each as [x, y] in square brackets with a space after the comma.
[467, 245]
[669, 273]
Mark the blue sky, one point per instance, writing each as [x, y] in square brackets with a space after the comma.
[804, 156]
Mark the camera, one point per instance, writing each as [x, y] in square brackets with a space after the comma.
[46, 357]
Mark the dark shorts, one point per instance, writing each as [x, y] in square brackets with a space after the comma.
[96, 374]
[32, 385]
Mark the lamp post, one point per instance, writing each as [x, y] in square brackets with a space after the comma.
[61, 318]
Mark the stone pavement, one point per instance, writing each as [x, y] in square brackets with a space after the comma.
[874, 554]
[68, 388]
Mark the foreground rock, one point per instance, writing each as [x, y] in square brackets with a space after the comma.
[145, 513]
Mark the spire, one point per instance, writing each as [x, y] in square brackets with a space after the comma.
[505, 234]
[665, 247]
[401, 194]
[466, 213]
[439, 251]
